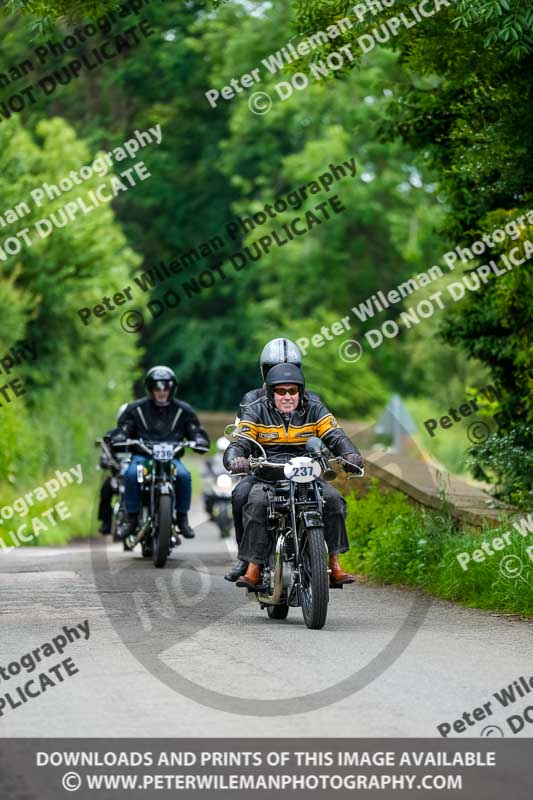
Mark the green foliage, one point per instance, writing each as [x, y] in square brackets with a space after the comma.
[465, 105]
[393, 542]
[440, 130]
[505, 22]
[77, 370]
[506, 458]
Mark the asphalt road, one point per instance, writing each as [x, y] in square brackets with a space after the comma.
[180, 652]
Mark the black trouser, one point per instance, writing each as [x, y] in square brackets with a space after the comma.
[256, 543]
[239, 498]
[105, 507]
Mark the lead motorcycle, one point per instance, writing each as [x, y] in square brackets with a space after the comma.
[157, 532]
[297, 572]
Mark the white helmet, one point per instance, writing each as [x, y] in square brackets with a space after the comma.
[279, 351]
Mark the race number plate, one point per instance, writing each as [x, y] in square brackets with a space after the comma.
[302, 469]
[163, 451]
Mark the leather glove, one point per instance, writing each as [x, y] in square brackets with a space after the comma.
[201, 445]
[239, 464]
[120, 436]
[355, 459]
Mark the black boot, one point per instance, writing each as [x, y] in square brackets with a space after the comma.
[238, 569]
[184, 527]
[129, 527]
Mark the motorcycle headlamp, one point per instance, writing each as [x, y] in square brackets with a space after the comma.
[224, 482]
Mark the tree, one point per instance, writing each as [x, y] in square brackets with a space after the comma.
[75, 378]
[466, 107]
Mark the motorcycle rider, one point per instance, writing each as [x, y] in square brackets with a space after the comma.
[276, 351]
[160, 417]
[282, 421]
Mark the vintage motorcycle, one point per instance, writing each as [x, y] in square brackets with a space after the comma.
[117, 466]
[157, 532]
[297, 572]
[218, 485]
[219, 503]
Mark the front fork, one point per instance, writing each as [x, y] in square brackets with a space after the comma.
[166, 487]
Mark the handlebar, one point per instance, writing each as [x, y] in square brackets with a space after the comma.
[148, 446]
[256, 463]
[107, 451]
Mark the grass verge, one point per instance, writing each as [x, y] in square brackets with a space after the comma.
[394, 542]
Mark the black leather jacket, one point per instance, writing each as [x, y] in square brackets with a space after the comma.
[143, 419]
[285, 436]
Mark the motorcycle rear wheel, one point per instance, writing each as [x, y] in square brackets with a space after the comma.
[163, 531]
[315, 580]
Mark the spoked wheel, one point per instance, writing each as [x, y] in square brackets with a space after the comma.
[278, 612]
[315, 582]
[162, 531]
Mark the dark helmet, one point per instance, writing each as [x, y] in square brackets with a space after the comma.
[284, 373]
[160, 378]
[279, 351]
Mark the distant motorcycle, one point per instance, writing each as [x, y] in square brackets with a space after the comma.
[220, 506]
[217, 488]
[157, 532]
[297, 572]
[117, 467]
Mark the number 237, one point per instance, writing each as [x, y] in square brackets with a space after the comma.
[305, 470]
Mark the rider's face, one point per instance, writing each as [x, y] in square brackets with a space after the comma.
[286, 402]
[161, 395]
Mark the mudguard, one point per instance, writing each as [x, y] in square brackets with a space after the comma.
[312, 519]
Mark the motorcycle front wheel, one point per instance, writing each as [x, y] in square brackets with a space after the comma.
[162, 531]
[315, 581]
[222, 517]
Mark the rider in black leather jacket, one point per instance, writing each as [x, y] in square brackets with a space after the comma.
[284, 435]
[160, 417]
